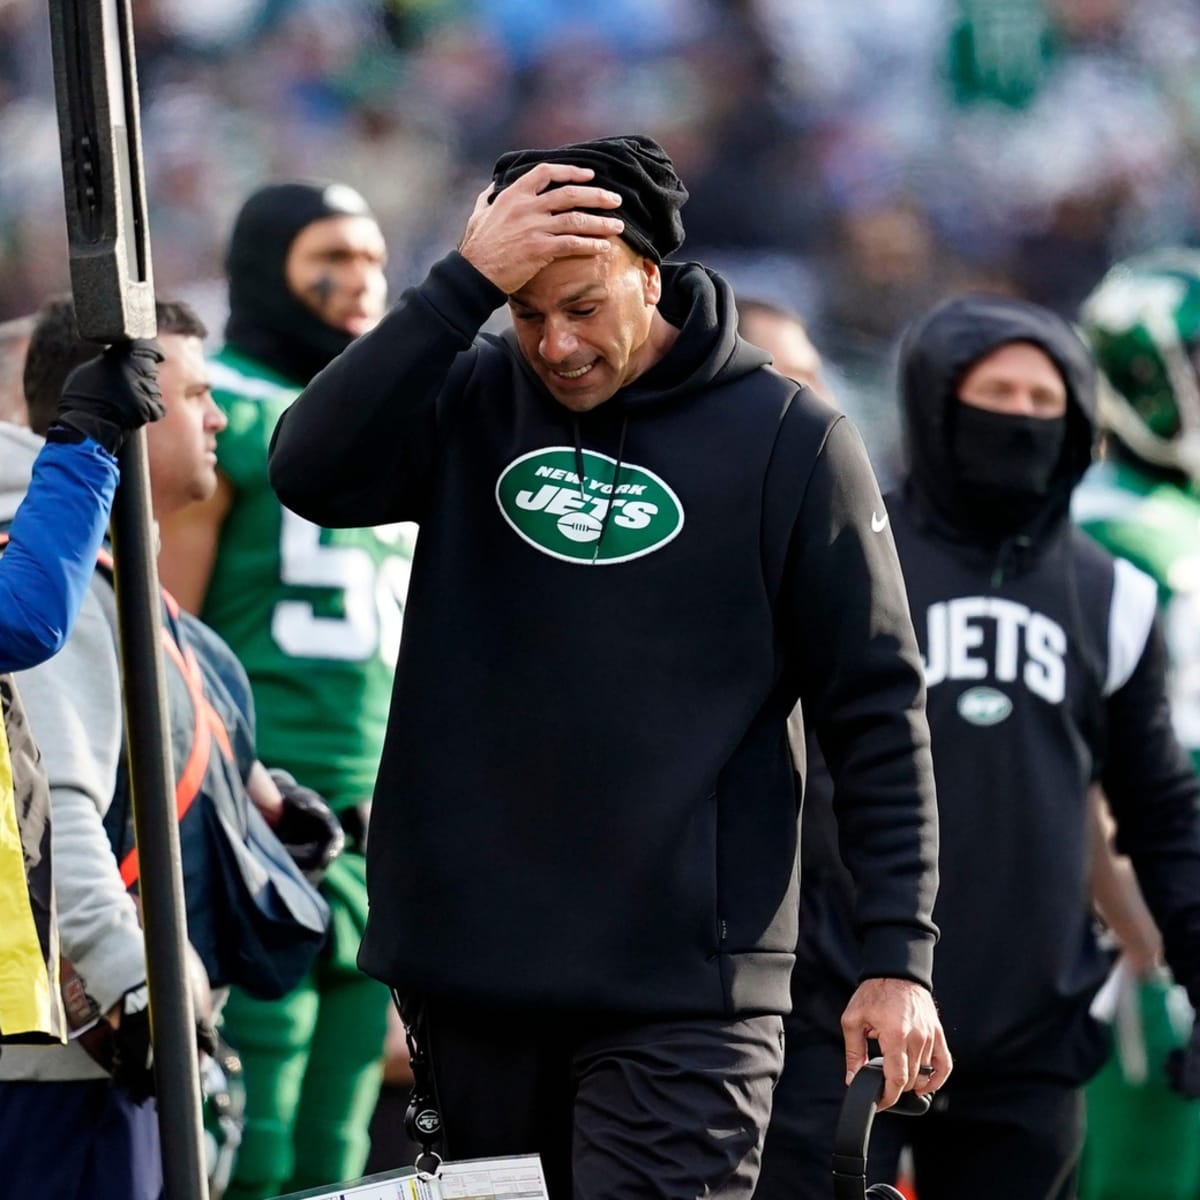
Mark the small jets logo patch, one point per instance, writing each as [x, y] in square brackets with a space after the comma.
[984, 706]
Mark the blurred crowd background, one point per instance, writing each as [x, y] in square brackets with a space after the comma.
[851, 159]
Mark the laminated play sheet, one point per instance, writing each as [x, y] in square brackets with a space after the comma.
[516, 1178]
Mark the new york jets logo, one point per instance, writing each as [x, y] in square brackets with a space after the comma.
[984, 706]
[428, 1120]
[543, 498]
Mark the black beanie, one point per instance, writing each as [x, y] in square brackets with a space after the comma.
[267, 320]
[636, 167]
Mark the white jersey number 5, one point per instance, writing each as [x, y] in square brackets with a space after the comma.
[372, 597]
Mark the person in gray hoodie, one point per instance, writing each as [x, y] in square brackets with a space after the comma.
[93, 1139]
[76, 1120]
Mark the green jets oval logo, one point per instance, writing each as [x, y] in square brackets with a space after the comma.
[984, 706]
[587, 520]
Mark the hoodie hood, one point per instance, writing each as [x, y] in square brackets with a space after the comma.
[267, 320]
[708, 351]
[939, 350]
[18, 448]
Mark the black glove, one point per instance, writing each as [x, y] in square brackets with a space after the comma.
[132, 1052]
[308, 829]
[1183, 1065]
[132, 1062]
[109, 396]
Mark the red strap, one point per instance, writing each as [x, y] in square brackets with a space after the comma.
[105, 558]
[208, 726]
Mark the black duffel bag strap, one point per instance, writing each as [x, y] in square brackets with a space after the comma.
[853, 1134]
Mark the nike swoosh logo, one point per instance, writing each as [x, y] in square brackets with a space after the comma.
[878, 523]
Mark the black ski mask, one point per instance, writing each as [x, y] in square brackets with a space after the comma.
[267, 320]
[1005, 465]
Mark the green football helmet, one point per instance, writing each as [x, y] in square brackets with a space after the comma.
[1143, 322]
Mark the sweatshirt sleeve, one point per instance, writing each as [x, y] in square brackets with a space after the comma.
[359, 445]
[851, 641]
[51, 555]
[1155, 799]
[73, 702]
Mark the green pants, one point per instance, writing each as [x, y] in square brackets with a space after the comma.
[312, 1062]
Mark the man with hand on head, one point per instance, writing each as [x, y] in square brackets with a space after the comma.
[638, 548]
[314, 616]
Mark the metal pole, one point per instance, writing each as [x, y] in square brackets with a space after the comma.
[95, 79]
[152, 784]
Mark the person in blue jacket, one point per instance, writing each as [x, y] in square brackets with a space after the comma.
[51, 554]
[52, 543]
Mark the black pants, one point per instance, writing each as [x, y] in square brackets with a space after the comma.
[1010, 1140]
[667, 1110]
[797, 1161]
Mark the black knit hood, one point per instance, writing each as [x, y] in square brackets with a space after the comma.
[267, 320]
[937, 353]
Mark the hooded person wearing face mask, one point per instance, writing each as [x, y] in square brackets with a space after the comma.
[314, 615]
[1045, 673]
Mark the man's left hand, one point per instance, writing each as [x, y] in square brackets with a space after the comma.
[901, 1017]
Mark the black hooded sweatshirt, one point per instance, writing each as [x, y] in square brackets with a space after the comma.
[1045, 673]
[585, 801]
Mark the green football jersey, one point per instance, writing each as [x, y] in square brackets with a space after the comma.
[1156, 526]
[314, 614]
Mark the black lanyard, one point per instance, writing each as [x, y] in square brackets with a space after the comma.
[422, 1118]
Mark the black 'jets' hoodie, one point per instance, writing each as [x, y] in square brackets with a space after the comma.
[586, 800]
[1044, 669]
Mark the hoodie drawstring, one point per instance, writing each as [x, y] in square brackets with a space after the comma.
[579, 471]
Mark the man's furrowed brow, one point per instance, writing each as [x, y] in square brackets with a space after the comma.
[591, 290]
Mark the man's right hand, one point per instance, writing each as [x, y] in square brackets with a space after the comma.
[109, 396]
[526, 228]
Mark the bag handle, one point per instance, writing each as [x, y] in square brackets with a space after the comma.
[853, 1134]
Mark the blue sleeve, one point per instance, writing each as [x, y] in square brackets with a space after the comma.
[52, 547]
